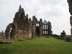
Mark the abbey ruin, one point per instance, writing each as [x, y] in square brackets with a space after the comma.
[23, 27]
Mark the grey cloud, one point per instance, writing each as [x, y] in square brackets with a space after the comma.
[52, 2]
[53, 13]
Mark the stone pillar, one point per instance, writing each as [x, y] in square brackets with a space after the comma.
[70, 10]
[63, 34]
[41, 26]
[34, 26]
[30, 28]
[2, 33]
[71, 24]
[71, 30]
[7, 31]
[49, 28]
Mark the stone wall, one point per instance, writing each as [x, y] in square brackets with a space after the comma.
[70, 10]
[23, 27]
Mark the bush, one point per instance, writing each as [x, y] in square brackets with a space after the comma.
[69, 39]
[55, 36]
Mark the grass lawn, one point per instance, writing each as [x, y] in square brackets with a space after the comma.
[37, 46]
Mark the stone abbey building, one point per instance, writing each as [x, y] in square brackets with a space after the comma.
[24, 27]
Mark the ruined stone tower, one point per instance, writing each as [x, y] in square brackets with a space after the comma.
[36, 27]
[24, 27]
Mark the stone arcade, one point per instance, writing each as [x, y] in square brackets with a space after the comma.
[24, 27]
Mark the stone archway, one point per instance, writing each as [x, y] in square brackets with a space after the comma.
[37, 29]
[10, 31]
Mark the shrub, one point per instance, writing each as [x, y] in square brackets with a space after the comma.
[69, 39]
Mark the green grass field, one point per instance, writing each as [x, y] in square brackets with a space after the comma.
[37, 46]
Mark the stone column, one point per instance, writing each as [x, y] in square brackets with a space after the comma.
[7, 32]
[2, 34]
[71, 30]
[49, 28]
[30, 28]
[71, 24]
[34, 26]
[41, 26]
[70, 10]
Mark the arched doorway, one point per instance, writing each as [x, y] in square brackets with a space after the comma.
[37, 29]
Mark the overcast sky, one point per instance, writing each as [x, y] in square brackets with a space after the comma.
[55, 11]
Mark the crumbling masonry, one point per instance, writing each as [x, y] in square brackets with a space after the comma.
[24, 27]
[70, 10]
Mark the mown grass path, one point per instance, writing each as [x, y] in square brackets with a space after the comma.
[37, 46]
